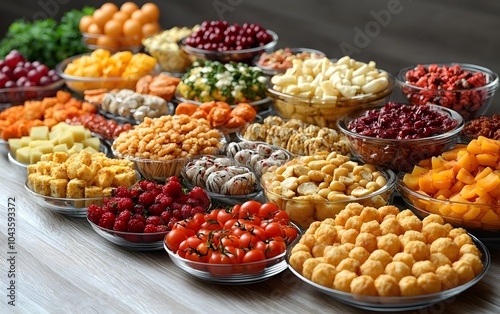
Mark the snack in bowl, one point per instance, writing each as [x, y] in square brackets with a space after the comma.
[140, 216]
[465, 88]
[319, 186]
[461, 184]
[486, 126]
[160, 147]
[226, 253]
[398, 136]
[280, 60]
[107, 129]
[387, 259]
[318, 91]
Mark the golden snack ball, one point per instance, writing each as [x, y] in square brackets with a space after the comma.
[412, 235]
[381, 256]
[391, 225]
[85, 22]
[469, 248]
[372, 227]
[433, 231]
[139, 16]
[109, 7]
[334, 254]
[100, 17]
[462, 239]
[149, 29]
[387, 210]
[313, 226]
[432, 218]
[364, 285]
[464, 271]
[308, 266]
[349, 236]
[353, 222]
[128, 8]
[398, 270]
[318, 249]
[367, 240]
[347, 247]
[408, 286]
[359, 253]
[429, 282]
[326, 234]
[456, 232]
[350, 264]
[308, 239]
[404, 213]
[422, 267]
[132, 28]
[369, 213]
[411, 223]
[324, 274]
[297, 260]
[372, 268]
[343, 280]
[113, 28]
[94, 29]
[120, 16]
[474, 261]
[343, 216]
[300, 247]
[418, 250]
[387, 286]
[448, 277]
[389, 243]
[447, 247]
[151, 11]
[439, 259]
[106, 41]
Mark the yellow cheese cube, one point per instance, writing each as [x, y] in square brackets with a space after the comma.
[75, 149]
[58, 187]
[78, 132]
[93, 142]
[61, 126]
[14, 144]
[61, 148]
[35, 155]
[25, 141]
[39, 132]
[66, 138]
[127, 179]
[23, 155]
[46, 157]
[90, 149]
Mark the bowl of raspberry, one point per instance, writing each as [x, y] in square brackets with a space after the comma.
[466, 88]
[397, 135]
[138, 218]
[224, 42]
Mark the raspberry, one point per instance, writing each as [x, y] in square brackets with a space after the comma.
[150, 228]
[124, 216]
[120, 225]
[177, 214]
[200, 196]
[161, 228]
[121, 191]
[139, 217]
[197, 209]
[165, 216]
[124, 203]
[147, 198]
[186, 211]
[107, 220]
[172, 189]
[171, 223]
[94, 213]
[138, 209]
[153, 220]
[164, 200]
[143, 185]
[135, 225]
[135, 192]
[156, 209]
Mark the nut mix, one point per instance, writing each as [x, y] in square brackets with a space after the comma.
[319, 186]
[386, 253]
[281, 59]
[487, 126]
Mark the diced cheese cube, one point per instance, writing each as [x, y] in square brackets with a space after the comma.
[25, 141]
[39, 133]
[14, 144]
[35, 155]
[23, 155]
[61, 126]
[93, 142]
[78, 132]
[90, 149]
[75, 148]
[66, 138]
[61, 148]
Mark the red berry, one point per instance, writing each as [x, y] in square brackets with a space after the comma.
[125, 203]
[124, 216]
[171, 223]
[107, 220]
[150, 228]
[156, 209]
[121, 191]
[135, 225]
[138, 209]
[177, 214]
[197, 209]
[165, 216]
[165, 201]
[154, 220]
[94, 213]
[172, 189]
[200, 196]
[120, 225]
[186, 211]
[139, 217]
[147, 198]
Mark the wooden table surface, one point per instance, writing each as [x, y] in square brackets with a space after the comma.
[61, 265]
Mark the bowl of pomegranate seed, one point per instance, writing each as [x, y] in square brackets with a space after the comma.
[138, 218]
[224, 42]
[465, 88]
[397, 136]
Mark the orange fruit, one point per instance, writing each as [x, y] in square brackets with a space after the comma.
[120, 16]
[106, 41]
[151, 11]
[94, 29]
[113, 28]
[139, 16]
[132, 28]
[109, 7]
[85, 21]
[150, 29]
[101, 17]
[128, 8]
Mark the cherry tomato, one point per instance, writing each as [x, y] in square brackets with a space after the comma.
[275, 247]
[291, 234]
[266, 210]
[199, 218]
[213, 214]
[248, 240]
[183, 247]
[282, 217]
[255, 261]
[220, 263]
[230, 240]
[274, 229]
[260, 245]
[193, 242]
[250, 208]
[258, 232]
[188, 226]
[231, 223]
[211, 225]
[235, 210]
[174, 238]
[223, 216]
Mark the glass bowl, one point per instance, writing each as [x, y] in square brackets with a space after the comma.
[397, 304]
[180, 99]
[323, 112]
[134, 241]
[469, 103]
[287, 54]
[112, 43]
[424, 205]
[244, 55]
[399, 154]
[128, 118]
[18, 95]
[305, 211]
[79, 84]
[20, 167]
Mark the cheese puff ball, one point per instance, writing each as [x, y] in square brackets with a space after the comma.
[356, 208]
[297, 260]
[408, 286]
[462, 239]
[418, 249]
[412, 235]
[456, 232]
[381, 256]
[353, 223]
[448, 227]
[448, 277]
[334, 255]
[372, 268]
[404, 213]
[349, 236]
[359, 253]
[301, 247]
[464, 271]
[326, 234]
[308, 239]
[387, 286]
[350, 264]
[367, 240]
[390, 216]
[469, 248]
[369, 213]
[318, 249]
[342, 217]
[364, 285]
[429, 282]
[328, 221]
[439, 259]
[445, 246]
[308, 266]
[474, 261]
[389, 243]
[411, 223]
[324, 274]
[391, 225]
[422, 267]
[347, 247]
[312, 227]
[432, 218]
[343, 280]
[405, 258]
[387, 210]
[397, 270]
[433, 231]
[340, 231]
[372, 227]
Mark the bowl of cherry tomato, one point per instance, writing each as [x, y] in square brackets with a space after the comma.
[243, 244]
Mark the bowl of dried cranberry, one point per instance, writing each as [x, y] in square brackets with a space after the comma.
[224, 42]
[138, 218]
[465, 88]
[397, 136]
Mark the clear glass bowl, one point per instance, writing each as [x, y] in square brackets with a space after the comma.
[424, 205]
[321, 112]
[119, 43]
[251, 103]
[128, 118]
[244, 55]
[273, 70]
[79, 84]
[134, 241]
[399, 154]
[397, 304]
[18, 95]
[469, 103]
